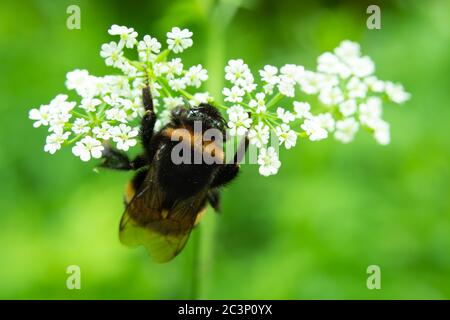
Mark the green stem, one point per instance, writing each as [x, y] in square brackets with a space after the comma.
[186, 94]
[274, 100]
[164, 87]
[216, 20]
[196, 279]
[74, 139]
[80, 115]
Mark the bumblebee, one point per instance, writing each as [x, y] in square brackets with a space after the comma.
[165, 200]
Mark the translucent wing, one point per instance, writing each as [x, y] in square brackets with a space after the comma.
[162, 232]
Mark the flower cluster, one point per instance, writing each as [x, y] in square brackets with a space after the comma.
[348, 97]
[272, 110]
[109, 107]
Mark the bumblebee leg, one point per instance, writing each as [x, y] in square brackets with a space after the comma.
[213, 197]
[118, 160]
[226, 174]
[139, 161]
[229, 171]
[114, 159]
[149, 118]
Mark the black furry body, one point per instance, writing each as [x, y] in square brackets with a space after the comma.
[164, 199]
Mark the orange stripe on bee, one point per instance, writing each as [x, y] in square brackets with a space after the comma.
[199, 216]
[129, 193]
[164, 213]
[208, 147]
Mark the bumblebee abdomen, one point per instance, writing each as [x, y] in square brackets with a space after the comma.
[133, 185]
[129, 192]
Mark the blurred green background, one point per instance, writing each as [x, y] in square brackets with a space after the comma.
[309, 232]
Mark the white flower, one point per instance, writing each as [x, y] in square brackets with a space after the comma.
[314, 129]
[234, 94]
[356, 88]
[102, 132]
[112, 54]
[284, 115]
[346, 129]
[128, 69]
[348, 107]
[97, 86]
[54, 141]
[381, 131]
[286, 135]
[117, 86]
[326, 121]
[259, 104]
[41, 116]
[362, 67]
[80, 126]
[347, 50]
[147, 47]
[123, 136]
[238, 73]
[174, 67]
[60, 104]
[370, 110]
[286, 86]
[83, 83]
[89, 104]
[268, 161]
[311, 83]
[116, 114]
[259, 135]
[92, 87]
[155, 88]
[124, 103]
[178, 40]
[291, 72]
[268, 89]
[160, 68]
[343, 81]
[135, 106]
[200, 97]
[374, 84]
[127, 35]
[329, 63]
[248, 85]
[113, 100]
[239, 121]
[326, 62]
[331, 96]
[195, 76]
[327, 81]
[302, 109]
[88, 147]
[234, 110]
[396, 92]
[172, 102]
[177, 84]
[269, 75]
[58, 121]
[76, 78]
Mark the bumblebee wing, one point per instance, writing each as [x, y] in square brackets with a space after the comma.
[160, 247]
[163, 233]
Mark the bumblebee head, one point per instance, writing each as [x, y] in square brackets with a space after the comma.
[205, 113]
